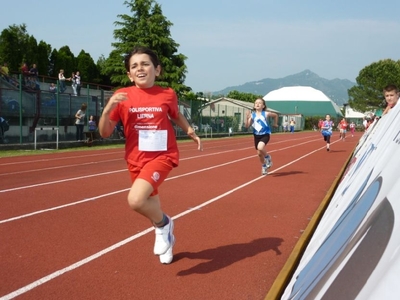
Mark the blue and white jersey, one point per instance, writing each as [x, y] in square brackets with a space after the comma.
[327, 128]
[260, 123]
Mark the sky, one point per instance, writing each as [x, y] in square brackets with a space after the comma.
[229, 43]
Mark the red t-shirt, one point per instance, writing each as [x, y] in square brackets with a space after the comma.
[146, 115]
[343, 124]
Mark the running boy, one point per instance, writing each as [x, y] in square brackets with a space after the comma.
[261, 131]
[151, 151]
[327, 131]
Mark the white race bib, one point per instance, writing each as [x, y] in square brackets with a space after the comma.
[153, 140]
[257, 126]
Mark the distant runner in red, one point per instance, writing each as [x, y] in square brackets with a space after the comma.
[343, 129]
[320, 123]
[352, 128]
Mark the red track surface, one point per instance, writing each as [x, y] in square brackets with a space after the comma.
[66, 231]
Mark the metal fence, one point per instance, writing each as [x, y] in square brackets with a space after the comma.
[26, 107]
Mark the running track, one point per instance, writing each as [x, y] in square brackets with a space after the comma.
[66, 231]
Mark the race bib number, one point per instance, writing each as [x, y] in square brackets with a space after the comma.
[153, 140]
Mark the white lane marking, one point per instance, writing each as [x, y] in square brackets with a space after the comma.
[59, 167]
[59, 181]
[122, 170]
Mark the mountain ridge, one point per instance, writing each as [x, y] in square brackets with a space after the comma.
[336, 89]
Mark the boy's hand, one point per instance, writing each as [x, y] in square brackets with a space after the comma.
[196, 139]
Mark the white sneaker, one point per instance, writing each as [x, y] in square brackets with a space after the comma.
[264, 169]
[268, 161]
[168, 256]
[164, 237]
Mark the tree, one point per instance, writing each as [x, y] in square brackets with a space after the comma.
[86, 66]
[368, 94]
[146, 27]
[13, 45]
[31, 51]
[248, 97]
[43, 58]
[103, 79]
[65, 60]
[52, 63]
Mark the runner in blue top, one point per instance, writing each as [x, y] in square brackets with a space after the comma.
[258, 118]
[326, 130]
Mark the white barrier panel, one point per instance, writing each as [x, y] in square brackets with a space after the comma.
[47, 128]
[354, 252]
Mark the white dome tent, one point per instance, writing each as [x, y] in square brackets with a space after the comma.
[303, 100]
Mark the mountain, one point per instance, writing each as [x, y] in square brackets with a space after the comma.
[335, 89]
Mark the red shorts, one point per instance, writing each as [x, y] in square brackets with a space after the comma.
[154, 172]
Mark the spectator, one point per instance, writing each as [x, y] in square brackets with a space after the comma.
[391, 93]
[292, 123]
[78, 82]
[80, 121]
[73, 83]
[25, 73]
[365, 123]
[92, 124]
[34, 77]
[53, 91]
[25, 70]
[285, 126]
[4, 126]
[120, 130]
[4, 71]
[53, 88]
[61, 79]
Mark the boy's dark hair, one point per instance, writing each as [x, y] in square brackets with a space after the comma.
[142, 50]
[390, 87]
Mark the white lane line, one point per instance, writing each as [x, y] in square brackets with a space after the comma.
[122, 170]
[59, 181]
[113, 193]
[59, 167]
[62, 206]
[59, 158]
[136, 236]
[116, 192]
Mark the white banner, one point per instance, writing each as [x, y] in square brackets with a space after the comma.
[354, 252]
